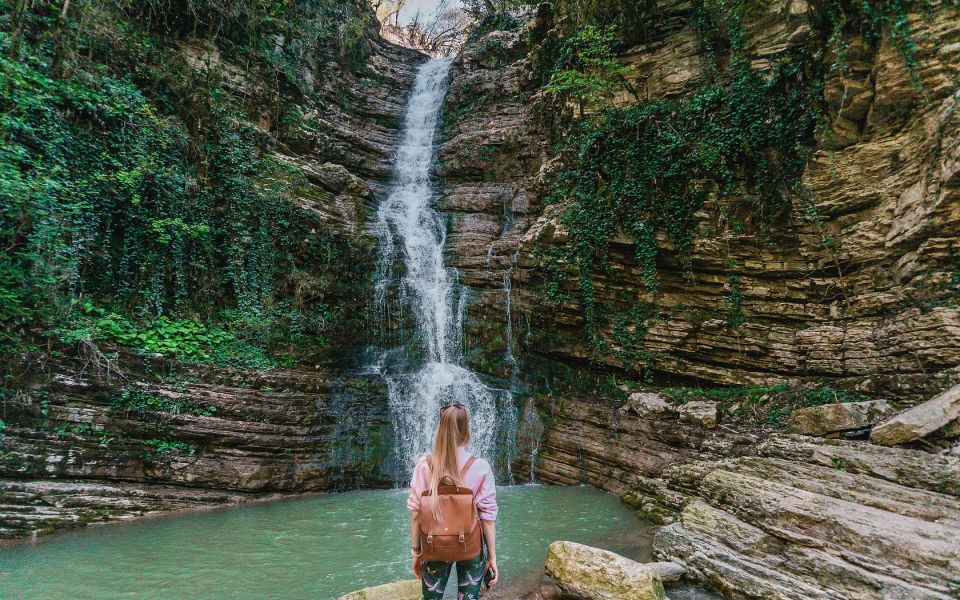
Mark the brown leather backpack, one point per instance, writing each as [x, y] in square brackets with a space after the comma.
[458, 536]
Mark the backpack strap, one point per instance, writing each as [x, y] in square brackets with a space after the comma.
[463, 471]
[466, 467]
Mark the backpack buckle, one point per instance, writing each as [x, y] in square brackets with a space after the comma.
[430, 539]
[461, 538]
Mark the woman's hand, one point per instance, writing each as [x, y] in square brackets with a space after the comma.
[418, 566]
[492, 566]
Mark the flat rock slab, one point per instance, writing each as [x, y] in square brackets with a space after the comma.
[856, 524]
[699, 413]
[919, 421]
[401, 590]
[834, 418]
[594, 574]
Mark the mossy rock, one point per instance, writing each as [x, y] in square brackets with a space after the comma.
[400, 590]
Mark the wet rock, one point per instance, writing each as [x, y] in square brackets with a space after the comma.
[920, 420]
[401, 590]
[590, 573]
[699, 413]
[248, 434]
[41, 507]
[833, 418]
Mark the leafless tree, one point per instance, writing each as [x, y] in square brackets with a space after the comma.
[388, 11]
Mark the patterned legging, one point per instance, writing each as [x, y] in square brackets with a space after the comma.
[469, 578]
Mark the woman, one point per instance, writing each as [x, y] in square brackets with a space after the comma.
[449, 456]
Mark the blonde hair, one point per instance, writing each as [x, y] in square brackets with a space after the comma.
[453, 431]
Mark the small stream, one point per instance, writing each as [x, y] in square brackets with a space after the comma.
[316, 547]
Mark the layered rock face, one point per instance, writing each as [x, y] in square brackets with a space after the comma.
[87, 450]
[769, 515]
[81, 443]
[857, 286]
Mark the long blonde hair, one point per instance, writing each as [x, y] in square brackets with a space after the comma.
[452, 432]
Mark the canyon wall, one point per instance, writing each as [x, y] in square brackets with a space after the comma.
[858, 285]
[855, 288]
[94, 432]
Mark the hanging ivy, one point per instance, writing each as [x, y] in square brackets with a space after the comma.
[128, 179]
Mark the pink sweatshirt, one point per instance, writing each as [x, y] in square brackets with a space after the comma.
[479, 479]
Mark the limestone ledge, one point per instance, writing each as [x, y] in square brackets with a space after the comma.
[275, 432]
[769, 515]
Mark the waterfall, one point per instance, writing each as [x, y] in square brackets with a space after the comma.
[509, 358]
[424, 372]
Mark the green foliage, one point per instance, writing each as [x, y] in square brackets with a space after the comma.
[130, 178]
[630, 18]
[496, 21]
[875, 20]
[587, 69]
[167, 447]
[649, 168]
[828, 395]
[141, 402]
[769, 404]
[733, 301]
[184, 338]
[630, 333]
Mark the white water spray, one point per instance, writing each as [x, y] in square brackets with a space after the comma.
[407, 223]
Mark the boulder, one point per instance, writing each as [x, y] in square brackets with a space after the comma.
[699, 413]
[648, 405]
[834, 418]
[590, 573]
[401, 590]
[919, 421]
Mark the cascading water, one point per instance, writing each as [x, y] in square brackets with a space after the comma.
[426, 373]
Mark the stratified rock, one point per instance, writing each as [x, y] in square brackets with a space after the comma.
[402, 590]
[771, 528]
[590, 573]
[834, 418]
[699, 413]
[919, 421]
[326, 428]
[577, 447]
[905, 467]
[884, 183]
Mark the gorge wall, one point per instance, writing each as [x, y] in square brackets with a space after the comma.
[93, 429]
[855, 287]
[857, 284]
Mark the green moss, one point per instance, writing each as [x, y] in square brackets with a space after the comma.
[141, 402]
[166, 448]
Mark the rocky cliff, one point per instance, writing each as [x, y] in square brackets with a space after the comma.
[92, 431]
[856, 284]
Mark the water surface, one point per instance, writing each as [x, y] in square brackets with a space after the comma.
[315, 547]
